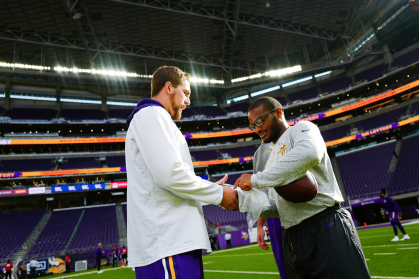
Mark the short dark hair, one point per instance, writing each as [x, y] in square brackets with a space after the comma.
[268, 103]
[164, 74]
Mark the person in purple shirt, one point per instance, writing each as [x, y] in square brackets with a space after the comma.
[99, 254]
[394, 214]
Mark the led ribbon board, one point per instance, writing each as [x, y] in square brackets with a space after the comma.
[215, 134]
[76, 188]
[202, 163]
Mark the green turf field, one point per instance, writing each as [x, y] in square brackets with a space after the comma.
[385, 260]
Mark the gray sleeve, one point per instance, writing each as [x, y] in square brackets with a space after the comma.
[272, 212]
[308, 150]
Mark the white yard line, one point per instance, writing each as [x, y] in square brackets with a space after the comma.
[243, 272]
[407, 248]
[208, 262]
[394, 245]
[383, 254]
[242, 255]
[72, 275]
[233, 249]
[387, 235]
[276, 273]
[391, 277]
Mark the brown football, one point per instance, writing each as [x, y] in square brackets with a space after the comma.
[301, 190]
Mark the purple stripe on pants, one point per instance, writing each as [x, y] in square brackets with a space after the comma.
[186, 265]
[275, 234]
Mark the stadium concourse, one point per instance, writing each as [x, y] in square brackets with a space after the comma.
[72, 71]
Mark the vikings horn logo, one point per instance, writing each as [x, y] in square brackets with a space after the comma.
[282, 149]
[245, 235]
[56, 265]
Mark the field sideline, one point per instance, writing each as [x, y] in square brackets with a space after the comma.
[386, 259]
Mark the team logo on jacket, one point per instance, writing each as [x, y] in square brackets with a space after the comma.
[282, 149]
[245, 235]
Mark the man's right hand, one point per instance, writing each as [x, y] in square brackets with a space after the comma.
[261, 239]
[229, 200]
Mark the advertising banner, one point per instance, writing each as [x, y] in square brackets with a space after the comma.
[365, 201]
[6, 192]
[238, 238]
[49, 266]
[75, 188]
[22, 191]
[120, 184]
[37, 190]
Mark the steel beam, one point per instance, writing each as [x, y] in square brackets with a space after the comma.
[242, 19]
[46, 40]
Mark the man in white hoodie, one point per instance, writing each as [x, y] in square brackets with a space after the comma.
[164, 194]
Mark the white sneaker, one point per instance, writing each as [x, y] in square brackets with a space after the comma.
[100, 271]
[405, 237]
[396, 238]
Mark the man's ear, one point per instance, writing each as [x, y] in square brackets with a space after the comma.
[168, 87]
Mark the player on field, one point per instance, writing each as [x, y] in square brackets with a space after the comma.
[394, 214]
[164, 194]
[273, 224]
[320, 239]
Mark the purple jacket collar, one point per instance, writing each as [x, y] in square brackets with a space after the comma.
[142, 104]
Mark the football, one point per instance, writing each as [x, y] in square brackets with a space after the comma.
[301, 190]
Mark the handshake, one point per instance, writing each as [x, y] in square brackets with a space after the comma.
[230, 195]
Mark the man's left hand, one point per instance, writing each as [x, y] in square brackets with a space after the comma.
[244, 182]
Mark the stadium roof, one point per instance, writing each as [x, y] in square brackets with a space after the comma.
[221, 40]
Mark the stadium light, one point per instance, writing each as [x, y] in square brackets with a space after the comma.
[322, 74]
[28, 96]
[275, 73]
[240, 98]
[2, 94]
[296, 81]
[80, 101]
[23, 66]
[257, 93]
[120, 103]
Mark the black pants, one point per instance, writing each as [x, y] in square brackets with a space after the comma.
[229, 243]
[125, 258]
[324, 246]
[114, 262]
[67, 268]
[8, 274]
[98, 262]
[33, 272]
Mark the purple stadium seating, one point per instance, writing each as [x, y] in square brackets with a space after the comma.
[97, 225]
[372, 73]
[407, 58]
[119, 113]
[81, 163]
[302, 95]
[83, 114]
[187, 113]
[335, 133]
[238, 152]
[380, 120]
[214, 213]
[364, 172]
[31, 113]
[56, 233]
[238, 107]
[282, 100]
[406, 175]
[336, 85]
[205, 155]
[15, 229]
[210, 111]
[115, 161]
[25, 165]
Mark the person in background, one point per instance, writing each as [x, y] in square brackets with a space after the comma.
[218, 227]
[99, 254]
[33, 265]
[394, 214]
[23, 271]
[67, 263]
[8, 268]
[116, 250]
[124, 256]
[114, 259]
[228, 239]
[267, 232]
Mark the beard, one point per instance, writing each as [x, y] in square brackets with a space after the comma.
[177, 113]
[274, 130]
